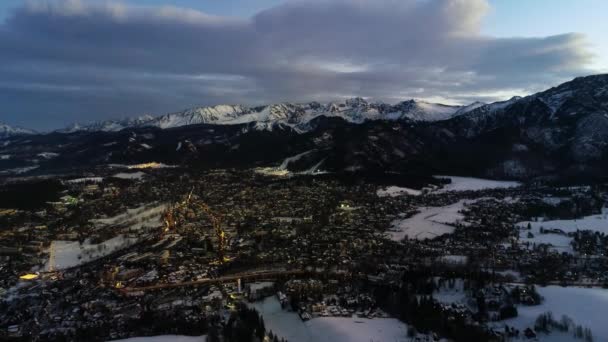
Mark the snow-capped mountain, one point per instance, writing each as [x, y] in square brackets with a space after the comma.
[296, 116]
[560, 133]
[9, 131]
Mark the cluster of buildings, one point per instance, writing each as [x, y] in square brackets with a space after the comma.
[317, 243]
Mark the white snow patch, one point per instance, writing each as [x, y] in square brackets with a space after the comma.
[586, 306]
[72, 253]
[125, 175]
[48, 155]
[288, 325]
[429, 223]
[474, 184]
[596, 223]
[85, 180]
[5, 156]
[145, 216]
[394, 191]
[288, 160]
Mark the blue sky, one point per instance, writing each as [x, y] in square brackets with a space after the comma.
[525, 18]
[66, 61]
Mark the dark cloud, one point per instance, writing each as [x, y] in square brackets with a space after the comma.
[73, 60]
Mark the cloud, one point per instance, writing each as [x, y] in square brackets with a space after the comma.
[73, 60]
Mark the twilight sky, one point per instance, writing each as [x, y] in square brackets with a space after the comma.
[74, 60]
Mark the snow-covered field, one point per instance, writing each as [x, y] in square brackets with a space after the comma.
[72, 253]
[474, 184]
[586, 306]
[429, 223]
[85, 180]
[596, 223]
[328, 329]
[165, 338]
[394, 191]
[132, 175]
[141, 217]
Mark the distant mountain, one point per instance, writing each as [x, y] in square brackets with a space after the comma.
[10, 131]
[295, 116]
[560, 133]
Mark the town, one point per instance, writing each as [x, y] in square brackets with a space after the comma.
[153, 250]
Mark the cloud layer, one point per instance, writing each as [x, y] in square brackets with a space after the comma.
[72, 60]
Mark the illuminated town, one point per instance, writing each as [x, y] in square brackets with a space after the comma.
[179, 251]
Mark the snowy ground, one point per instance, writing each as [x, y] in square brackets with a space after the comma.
[132, 175]
[394, 191]
[72, 253]
[328, 329]
[85, 180]
[586, 306]
[596, 223]
[148, 215]
[165, 338]
[467, 183]
[429, 223]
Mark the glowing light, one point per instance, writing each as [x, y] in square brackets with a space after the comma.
[152, 165]
[29, 276]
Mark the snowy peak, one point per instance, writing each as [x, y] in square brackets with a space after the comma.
[577, 96]
[426, 111]
[199, 115]
[296, 116]
[9, 131]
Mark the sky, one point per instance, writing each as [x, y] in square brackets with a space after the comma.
[65, 61]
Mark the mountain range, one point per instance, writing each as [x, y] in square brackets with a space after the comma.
[560, 133]
[295, 116]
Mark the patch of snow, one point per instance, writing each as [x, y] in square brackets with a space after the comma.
[72, 253]
[596, 223]
[48, 155]
[474, 184]
[586, 306]
[313, 170]
[5, 156]
[145, 216]
[429, 223]
[288, 325]
[85, 180]
[288, 160]
[133, 175]
[394, 191]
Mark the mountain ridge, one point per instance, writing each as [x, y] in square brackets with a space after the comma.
[561, 132]
[293, 115]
